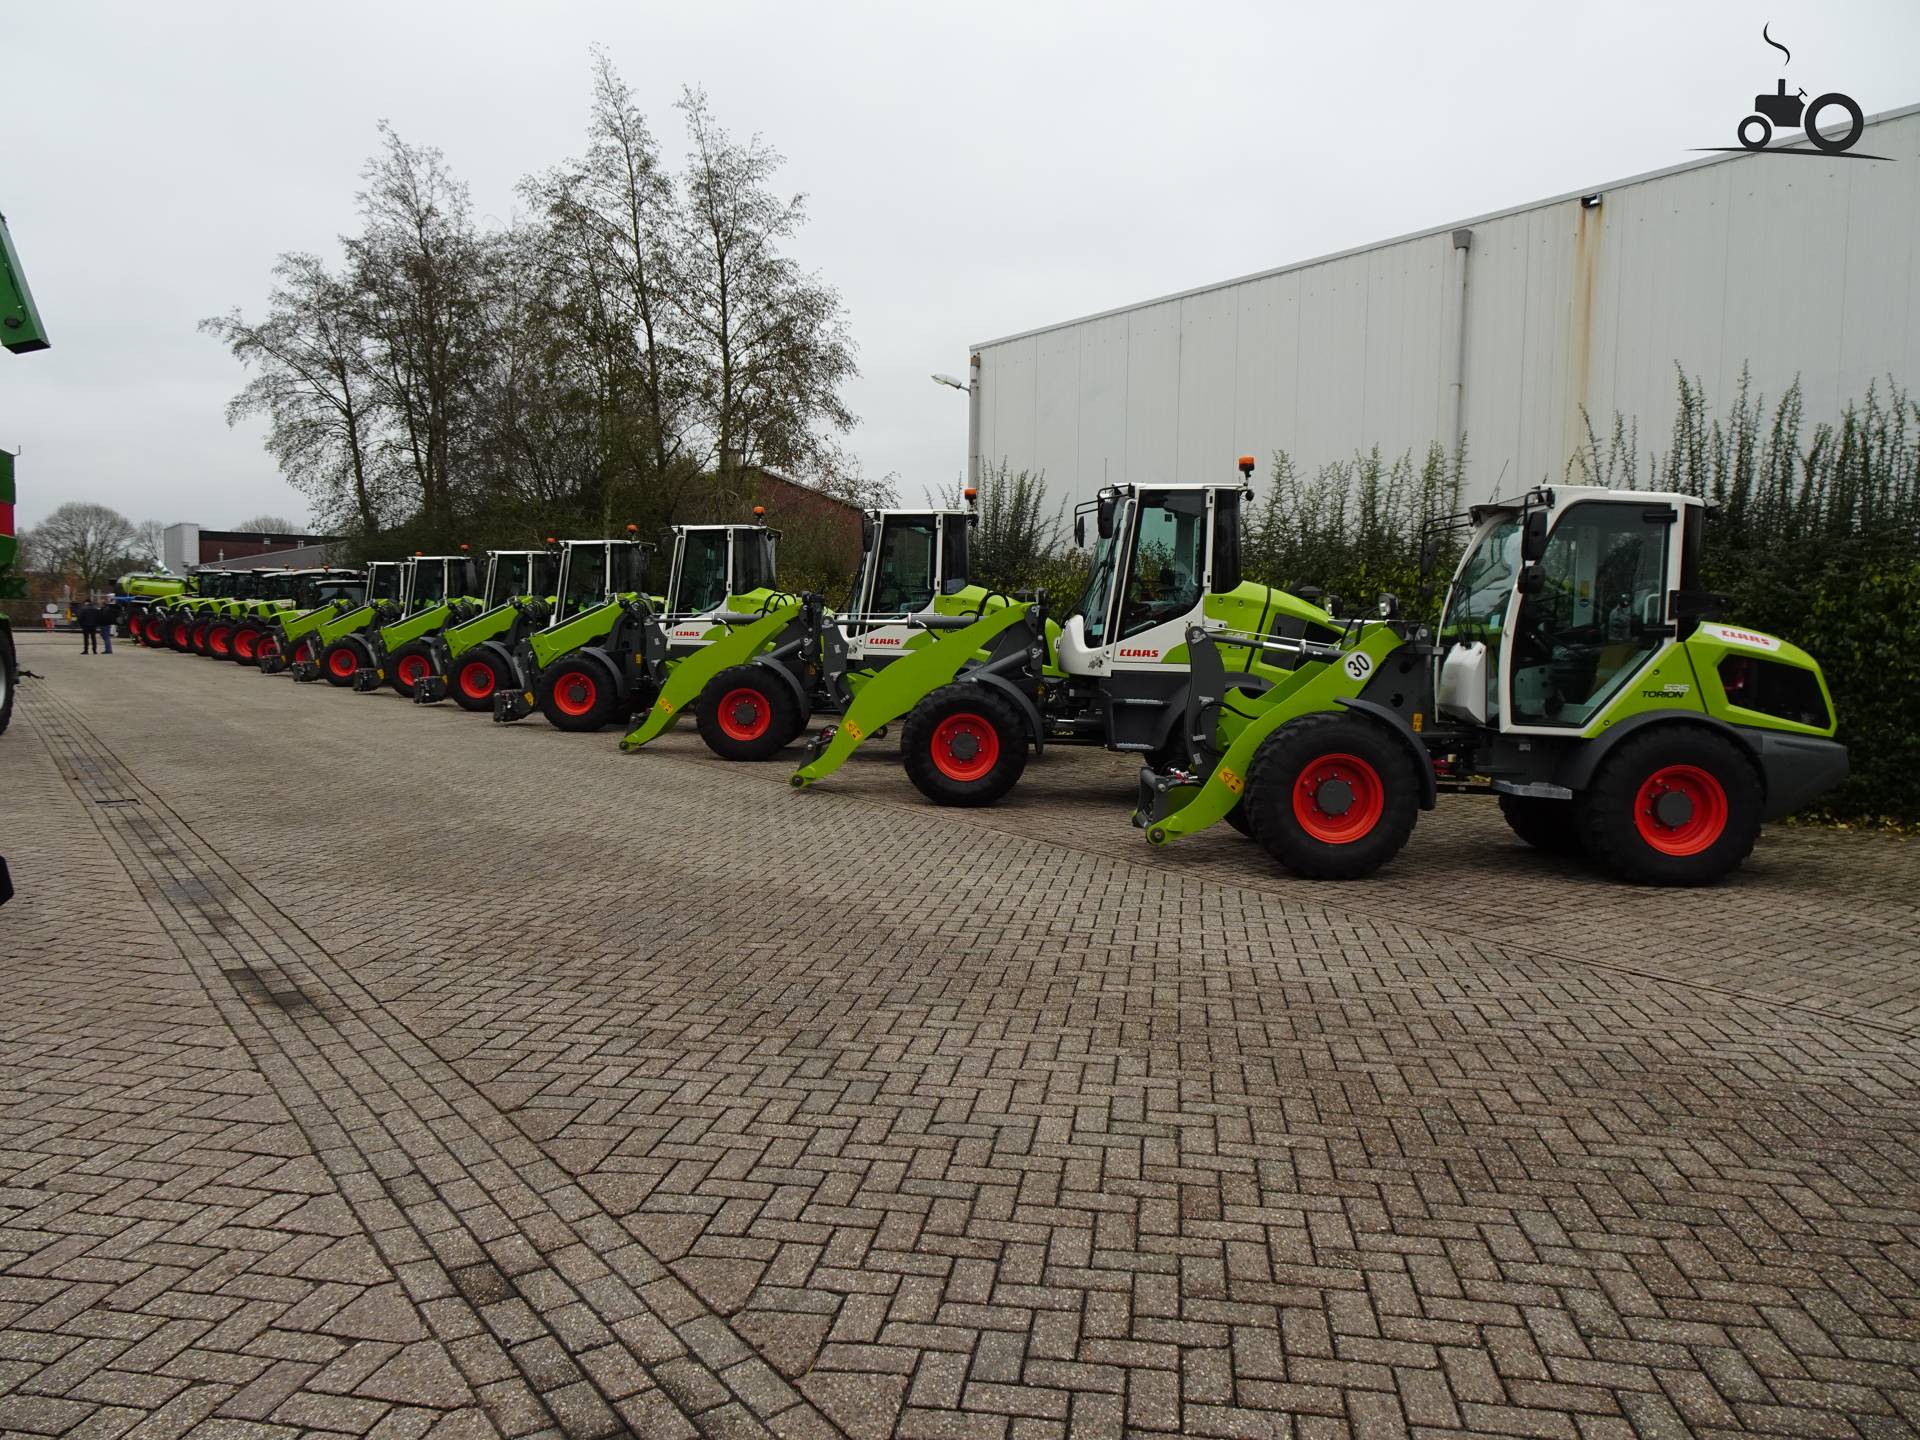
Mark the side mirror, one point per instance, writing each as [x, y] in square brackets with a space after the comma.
[1533, 544]
[1106, 517]
[1080, 531]
[866, 532]
[1532, 580]
[1429, 552]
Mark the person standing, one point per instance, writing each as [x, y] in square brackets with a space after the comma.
[109, 617]
[89, 618]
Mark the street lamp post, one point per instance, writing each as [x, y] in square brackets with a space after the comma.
[972, 392]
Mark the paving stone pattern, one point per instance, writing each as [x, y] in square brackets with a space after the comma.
[372, 1069]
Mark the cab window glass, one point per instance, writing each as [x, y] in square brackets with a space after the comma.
[1099, 597]
[703, 571]
[1163, 580]
[903, 569]
[1599, 616]
[586, 578]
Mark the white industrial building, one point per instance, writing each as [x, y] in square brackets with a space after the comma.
[1505, 326]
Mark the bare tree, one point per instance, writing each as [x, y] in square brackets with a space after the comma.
[84, 543]
[771, 339]
[269, 525]
[316, 387]
[418, 271]
[148, 548]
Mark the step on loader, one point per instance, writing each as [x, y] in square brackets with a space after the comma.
[1577, 674]
[473, 659]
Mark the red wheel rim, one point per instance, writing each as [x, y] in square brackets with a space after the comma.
[965, 746]
[1680, 810]
[1338, 799]
[220, 640]
[303, 652]
[133, 626]
[341, 662]
[476, 680]
[412, 669]
[574, 693]
[744, 714]
[267, 648]
[246, 644]
[181, 634]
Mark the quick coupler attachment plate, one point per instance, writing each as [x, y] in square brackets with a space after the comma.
[366, 678]
[305, 670]
[272, 664]
[430, 690]
[1155, 802]
[512, 705]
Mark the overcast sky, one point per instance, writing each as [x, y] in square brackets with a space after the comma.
[972, 169]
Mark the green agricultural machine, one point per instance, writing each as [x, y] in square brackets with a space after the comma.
[168, 621]
[1575, 675]
[305, 641]
[141, 592]
[610, 649]
[473, 659]
[260, 597]
[436, 591]
[256, 638]
[914, 584]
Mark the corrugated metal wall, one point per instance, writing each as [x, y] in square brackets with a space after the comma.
[1795, 266]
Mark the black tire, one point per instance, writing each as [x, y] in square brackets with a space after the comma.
[220, 635]
[1833, 144]
[343, 658]
[1759, 142]
[962, 715]
[578, 692]
[197, 637]
[1361, 796]
[1546, 825]
[408, 665]
[748, 713]
[9, 675]
[246, 652]
[1709, 830]
[465, 683]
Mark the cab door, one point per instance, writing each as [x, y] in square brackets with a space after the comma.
[1594, 617]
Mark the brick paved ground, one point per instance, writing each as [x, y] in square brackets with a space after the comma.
[376, 1070]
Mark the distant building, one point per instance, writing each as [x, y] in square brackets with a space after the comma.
[1508, 328]
[184, 546]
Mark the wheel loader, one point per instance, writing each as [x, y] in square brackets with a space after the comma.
[977, 700]
[473, 659]
[913, 585]
[1578, 673]
[255, 637]
[318, 595]
[435, 591]
[306, 646]
[614, 655]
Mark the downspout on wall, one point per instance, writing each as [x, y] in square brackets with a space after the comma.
[1457, 381]
[973, 420]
